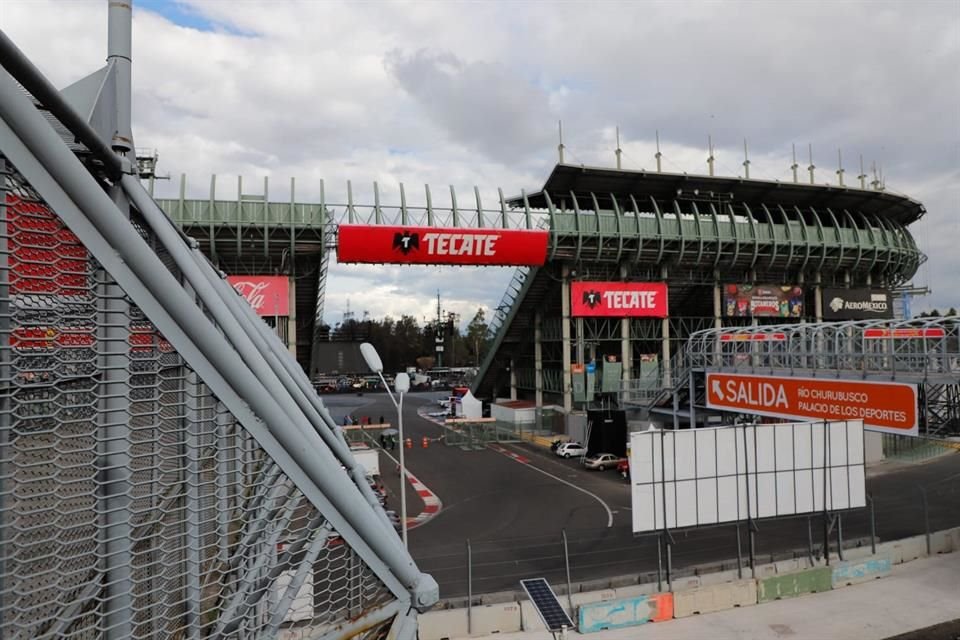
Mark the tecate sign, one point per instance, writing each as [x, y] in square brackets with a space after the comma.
[381, 244]
[268, 295]
[856, 304]
[883, 406]
[619, 299]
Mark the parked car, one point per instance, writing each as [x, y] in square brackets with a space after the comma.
[571, 450]
[601, 461]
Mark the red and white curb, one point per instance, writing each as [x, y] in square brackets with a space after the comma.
[510, 454]
[431, 503]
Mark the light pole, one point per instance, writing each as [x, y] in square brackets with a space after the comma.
[401, 383]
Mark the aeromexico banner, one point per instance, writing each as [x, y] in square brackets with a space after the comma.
[381, 244]
[619, 299]
[857, 304]
[268, 295]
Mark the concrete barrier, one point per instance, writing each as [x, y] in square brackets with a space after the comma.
[445, 624]
[941, 542]
[625, 612]
[905, 550]
[717, 597]
[857, 571]
[795, 584]
[495, 618]
[530, 619]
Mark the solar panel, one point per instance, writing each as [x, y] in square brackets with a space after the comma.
[545, 600]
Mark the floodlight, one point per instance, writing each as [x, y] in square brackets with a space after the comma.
[371, 357]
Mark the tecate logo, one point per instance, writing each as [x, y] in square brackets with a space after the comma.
[630, 299]
[448, 244]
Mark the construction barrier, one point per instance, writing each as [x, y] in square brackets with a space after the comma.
[445, 624]
[795, 584]
[718, 597]
[855, 572]
[627, 612]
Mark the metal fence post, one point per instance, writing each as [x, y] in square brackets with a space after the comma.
[739, 554]
[873, 526]
[660, 562]
[469, 586]
[566, 559]
[926, 515]
[840, 536]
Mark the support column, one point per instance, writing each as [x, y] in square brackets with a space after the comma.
[513, 379]
[565, 339]
[717, 300]
[818, 298]
[626, 348]
[538, 358]
[292, 317]
[665, 341]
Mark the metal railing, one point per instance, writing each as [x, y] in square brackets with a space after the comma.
[920, 350]
[166, 470]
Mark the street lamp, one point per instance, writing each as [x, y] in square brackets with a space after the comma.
[401, 383]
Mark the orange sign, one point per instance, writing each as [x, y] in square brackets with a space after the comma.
[883, 406]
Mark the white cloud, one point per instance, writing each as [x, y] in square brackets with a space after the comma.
[470, 93]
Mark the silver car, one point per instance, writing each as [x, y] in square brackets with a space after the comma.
[601, 461]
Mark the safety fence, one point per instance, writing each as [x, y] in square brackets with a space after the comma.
[166, 470]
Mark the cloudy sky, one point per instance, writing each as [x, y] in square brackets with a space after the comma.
[464, 94]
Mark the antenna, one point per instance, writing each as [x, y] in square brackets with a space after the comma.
[875, 183]
[812, 166]
[840, 167]
[862, 177]
[658, 155]
[560, 146]
[746, 161]
[710, 158]
[619, 150]
[794, 166]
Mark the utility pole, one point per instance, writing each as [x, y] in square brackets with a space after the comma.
[438, 338]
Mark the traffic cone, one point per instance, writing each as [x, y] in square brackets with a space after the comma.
[426, 442]
[409, 443]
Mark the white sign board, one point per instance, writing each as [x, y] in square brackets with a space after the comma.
[698, 477]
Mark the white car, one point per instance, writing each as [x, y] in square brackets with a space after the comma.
[571, 450]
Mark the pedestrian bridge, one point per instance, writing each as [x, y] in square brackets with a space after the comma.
[924, 352]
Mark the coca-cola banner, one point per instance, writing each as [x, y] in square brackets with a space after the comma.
[382, 244]
[268, 295]
[619, 299]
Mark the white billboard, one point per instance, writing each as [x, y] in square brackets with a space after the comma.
[697, 477]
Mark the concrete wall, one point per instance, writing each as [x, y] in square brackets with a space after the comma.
[631, 604]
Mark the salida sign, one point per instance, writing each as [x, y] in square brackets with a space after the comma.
[268, 295]
[382, 244]
[883, 406]
[618, 299]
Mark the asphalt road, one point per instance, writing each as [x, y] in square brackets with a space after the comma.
[514, 513]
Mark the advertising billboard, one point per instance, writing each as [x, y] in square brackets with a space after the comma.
[699, 477]
[890, 407]
[268, 295]
[383, 244]
[857, 304]
[762, 301]
[618, 299]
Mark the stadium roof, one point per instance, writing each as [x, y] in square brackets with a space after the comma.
[621, 183]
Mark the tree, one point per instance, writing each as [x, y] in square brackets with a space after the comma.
[476, 338]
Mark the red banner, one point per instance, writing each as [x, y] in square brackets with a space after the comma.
[380, 244]
[268, 295]
[619, 299]
[907, 332]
